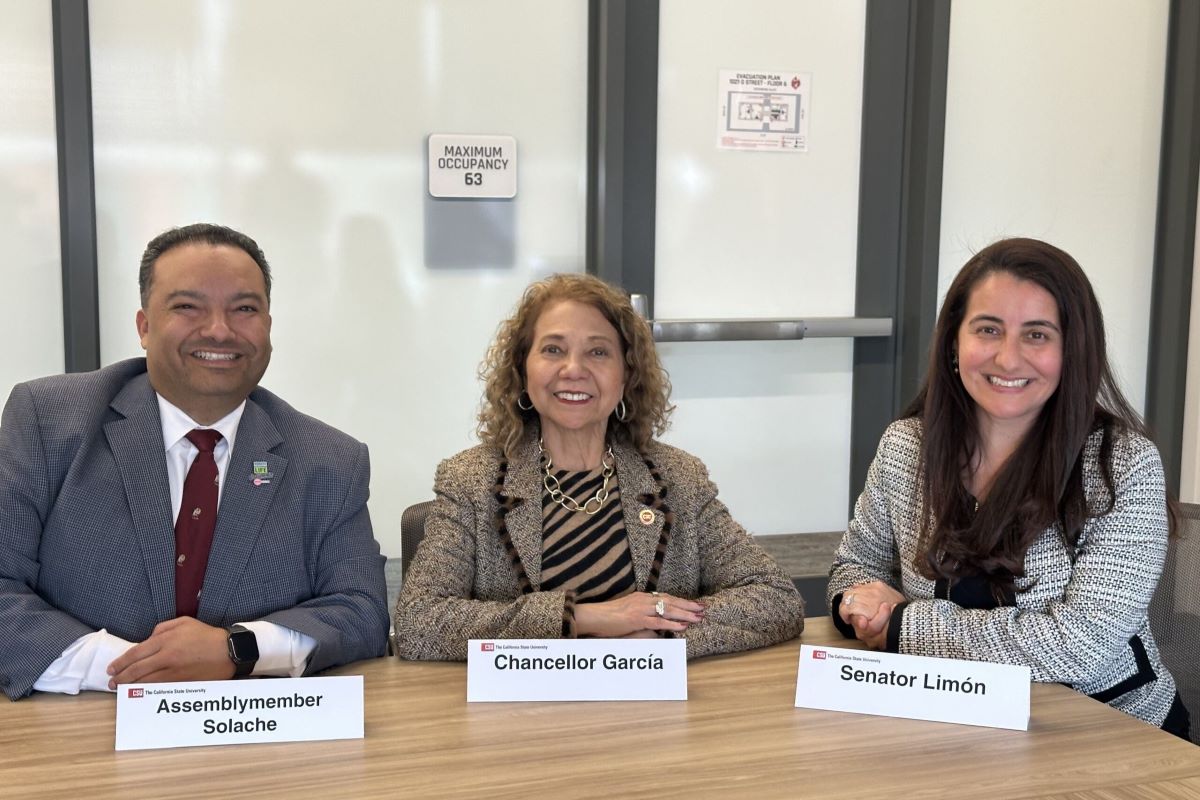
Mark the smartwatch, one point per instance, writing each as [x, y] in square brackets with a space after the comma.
[243, 650]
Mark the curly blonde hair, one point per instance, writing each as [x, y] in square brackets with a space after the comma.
[502, 423]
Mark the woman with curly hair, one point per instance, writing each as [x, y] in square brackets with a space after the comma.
[1017, 512]
[570, 519]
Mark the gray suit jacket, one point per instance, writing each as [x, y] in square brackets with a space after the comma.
[87, 540]
[462, 584]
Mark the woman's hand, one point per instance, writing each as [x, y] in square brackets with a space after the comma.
[636, 612]
[868, 608]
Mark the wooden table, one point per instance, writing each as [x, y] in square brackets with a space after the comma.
[738, 735]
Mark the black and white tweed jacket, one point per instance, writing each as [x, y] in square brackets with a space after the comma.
[1080, 614]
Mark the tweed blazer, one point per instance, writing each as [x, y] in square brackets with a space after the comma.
[87, 540]
[1081, 613]
[463, 583]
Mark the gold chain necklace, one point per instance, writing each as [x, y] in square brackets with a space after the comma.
[568, 502]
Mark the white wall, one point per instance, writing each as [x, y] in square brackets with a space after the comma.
[307, 131]
[744, 235]
[31, 324]
[1053, 126]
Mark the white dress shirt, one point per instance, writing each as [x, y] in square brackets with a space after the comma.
[281, 651]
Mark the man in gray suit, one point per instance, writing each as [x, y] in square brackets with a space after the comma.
[104, 497]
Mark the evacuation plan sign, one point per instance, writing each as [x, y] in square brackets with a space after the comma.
[472, 166]
[763, 110]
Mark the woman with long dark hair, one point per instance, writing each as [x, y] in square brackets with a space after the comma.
[1017, 512]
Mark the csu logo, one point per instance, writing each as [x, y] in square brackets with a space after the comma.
[137, 692]
[819, 655]
[487, 647]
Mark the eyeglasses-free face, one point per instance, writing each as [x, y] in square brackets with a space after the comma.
[1009, 351]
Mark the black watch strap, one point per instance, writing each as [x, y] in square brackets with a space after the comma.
[243, 649]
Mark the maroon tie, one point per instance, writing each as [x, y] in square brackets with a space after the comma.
[196, 523]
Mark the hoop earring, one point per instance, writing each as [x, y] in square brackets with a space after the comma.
[621, 412]
[525, 395]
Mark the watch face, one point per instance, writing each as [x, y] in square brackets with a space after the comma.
[243, 646]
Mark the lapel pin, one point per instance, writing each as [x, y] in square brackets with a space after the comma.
[261, 474]
[646, 516]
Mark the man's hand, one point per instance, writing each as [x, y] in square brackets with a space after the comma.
[180, 649]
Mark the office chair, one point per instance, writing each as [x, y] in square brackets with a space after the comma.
[1175, 613]
[412, 531]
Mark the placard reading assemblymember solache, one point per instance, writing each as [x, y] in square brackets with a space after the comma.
[505, 670]
[198, 713]
[916, 687]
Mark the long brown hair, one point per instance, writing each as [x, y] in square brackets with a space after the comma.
[1041, 483]
[502, 421]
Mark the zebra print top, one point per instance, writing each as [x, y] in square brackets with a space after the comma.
[586, 554]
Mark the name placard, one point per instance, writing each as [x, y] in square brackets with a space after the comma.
[506, 670]
[198, 713]
[915, 687]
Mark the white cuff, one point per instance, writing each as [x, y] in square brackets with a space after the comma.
[282, 652]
